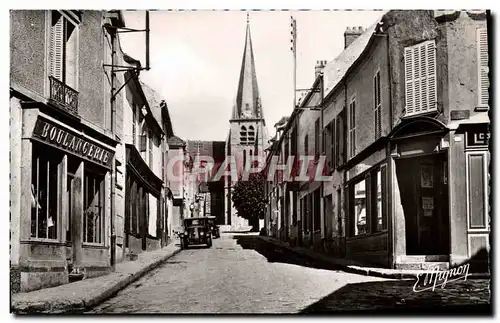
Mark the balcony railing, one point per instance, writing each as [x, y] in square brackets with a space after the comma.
[63, 95]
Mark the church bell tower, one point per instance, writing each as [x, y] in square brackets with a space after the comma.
[247, 132]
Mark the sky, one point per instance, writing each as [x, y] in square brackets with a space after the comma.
[195, 60]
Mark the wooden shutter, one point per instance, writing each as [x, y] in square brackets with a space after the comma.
[56, 46]
[420, 78]
[333, 144]
[483, 70]
[326, 146]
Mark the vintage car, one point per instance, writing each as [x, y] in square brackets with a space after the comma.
[196, 232]
[214, 227]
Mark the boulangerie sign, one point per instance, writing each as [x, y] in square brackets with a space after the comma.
[54, 135]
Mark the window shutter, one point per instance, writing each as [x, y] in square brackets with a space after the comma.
[142, 143]
[333, 148]
[482, 47]
[420, 77]
[56, 46]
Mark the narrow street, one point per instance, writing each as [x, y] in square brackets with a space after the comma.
[228, 278]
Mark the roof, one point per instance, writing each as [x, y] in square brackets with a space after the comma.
[154, 102]
[176, 141]
[247, 96]
[337, 69]
[282, 121]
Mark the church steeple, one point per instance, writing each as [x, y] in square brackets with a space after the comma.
[247, 104]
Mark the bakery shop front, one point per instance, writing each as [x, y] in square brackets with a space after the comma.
[65, 209]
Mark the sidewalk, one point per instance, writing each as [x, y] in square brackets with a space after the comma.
[84, 294]
[352, 266]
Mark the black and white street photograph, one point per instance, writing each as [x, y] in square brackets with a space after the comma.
[250, 161]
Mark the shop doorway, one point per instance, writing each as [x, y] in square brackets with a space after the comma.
[424, 197]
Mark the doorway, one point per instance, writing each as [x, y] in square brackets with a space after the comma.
[424, 197]
[69, 205]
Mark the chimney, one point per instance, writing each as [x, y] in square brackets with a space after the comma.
[350, 34]
[318, 68]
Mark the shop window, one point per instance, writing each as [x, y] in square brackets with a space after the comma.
[360, 206]
[368, 203]
[44, 194]
[93, 216]
[379, 196]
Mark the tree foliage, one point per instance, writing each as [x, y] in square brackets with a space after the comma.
[249, 197]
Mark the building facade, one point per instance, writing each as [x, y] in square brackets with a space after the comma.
[62, 147]
[404, 124]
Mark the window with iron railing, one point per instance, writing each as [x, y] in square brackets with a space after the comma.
[63, 61]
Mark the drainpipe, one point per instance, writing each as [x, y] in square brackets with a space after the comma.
[390, 164]
[113, 170]
[347, 221]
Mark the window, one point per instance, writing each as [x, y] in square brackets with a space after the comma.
[134, 127]
[63, 49]
[368, 203]
[243, 135]
[379, 200]
[317, 210]
[483, 70]
[340, 224]
[360, 201]
[307, 207]
[150, 149]
[352, 127]
[316, 138]
[338, 136]
[377, 106]
[306, 145]
[251, 135]
[44, 193]
[244, 158]
[93, 199]
[420, 78]
[332, 144]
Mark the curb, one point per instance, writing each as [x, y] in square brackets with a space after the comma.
[85, 302]
[355, 269]
[127, 281]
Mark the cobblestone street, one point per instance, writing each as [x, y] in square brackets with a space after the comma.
[227, 279]
[237, 275]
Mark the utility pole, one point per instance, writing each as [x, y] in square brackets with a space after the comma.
[293, 48]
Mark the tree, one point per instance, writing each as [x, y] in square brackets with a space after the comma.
[249, 198]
